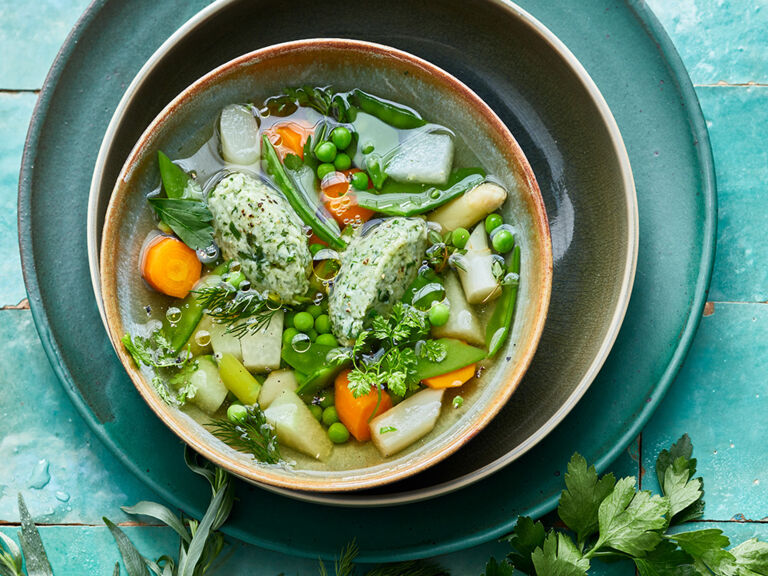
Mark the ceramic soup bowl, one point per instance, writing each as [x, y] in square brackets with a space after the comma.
[187, 122]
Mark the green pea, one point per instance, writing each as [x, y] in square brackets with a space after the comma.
[325, 169]
[289, 334]
[323, 324]
[342, 161]
[341, 137]
[460, 237]
[303, 321]
[327, 399]
[314, 248]
[492, 222]
[312, 333]
[326, 151]
[237, 413]
[330, 416]
[288, 319]
[360, 181]
[327, 340]
[338, 433]
[315, 310]
[317, 412]
[438, 314]
[503, 241]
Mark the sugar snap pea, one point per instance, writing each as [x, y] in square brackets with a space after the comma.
[411, 204]
[301, 205]
[393, 114]
[500, 324]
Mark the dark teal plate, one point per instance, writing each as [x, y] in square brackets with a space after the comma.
[634, 65]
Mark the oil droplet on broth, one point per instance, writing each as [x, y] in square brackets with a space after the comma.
[173, 314]
[202, 338]
[234, 266]
[301, 343]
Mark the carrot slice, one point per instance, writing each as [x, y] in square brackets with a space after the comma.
[289, 138]
[356, 413]
[340, 201]
[451, 379]
[170, 266]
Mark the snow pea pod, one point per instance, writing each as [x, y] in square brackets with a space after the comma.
[393, 114]
[411, 204]
[301, 206]
[458, 355]
[500, 324]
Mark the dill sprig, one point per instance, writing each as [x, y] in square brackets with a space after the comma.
[253, 435]
[242, 311]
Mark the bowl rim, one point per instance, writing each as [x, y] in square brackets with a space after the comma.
[540, 299]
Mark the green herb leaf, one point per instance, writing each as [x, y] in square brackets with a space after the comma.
[432, 350]
[32, 544]
[188, 562]
[159, 512]
[134, 562]
[665, 560]
[410, 568]
[706, 547]
[752, 555]
[253, 435]
[559, 557]
[527, 536]
[11, 560]
[174, 179]
[496, 568]
[675, 469]
[189, 220]
[581, 499]
[292, 162]
[630, 521]
[242, 312]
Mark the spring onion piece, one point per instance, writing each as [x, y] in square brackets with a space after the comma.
[500, 324]
[325, 230]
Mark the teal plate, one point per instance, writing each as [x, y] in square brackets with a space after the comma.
[636, 68]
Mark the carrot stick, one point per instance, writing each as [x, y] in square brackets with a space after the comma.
[451, 379]
[356, 413]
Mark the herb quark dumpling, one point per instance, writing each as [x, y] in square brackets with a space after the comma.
[254, 225]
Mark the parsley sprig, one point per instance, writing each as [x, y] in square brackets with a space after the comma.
[610, 519]
[386, 354]
[157, 352]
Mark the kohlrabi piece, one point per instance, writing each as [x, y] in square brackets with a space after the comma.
[468, 209]
[223, 343]
[261, 349]
[425, 158]
[409, 421]
[296, 427]
[239, 132]
[462, 322]
[374, 136]
[476, 269]
[274, 385]
[209, 390]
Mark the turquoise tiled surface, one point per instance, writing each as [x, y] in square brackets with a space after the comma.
[737, 117]
[15, 112]
[30, 36]
[719, 397]
[719, 40]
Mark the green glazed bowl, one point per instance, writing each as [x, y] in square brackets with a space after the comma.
[187, 122]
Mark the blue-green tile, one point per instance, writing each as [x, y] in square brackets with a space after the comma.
[718, 40]
[736, 117]
[38, 424]
[30, 36]
[720, 399]
[15, 112]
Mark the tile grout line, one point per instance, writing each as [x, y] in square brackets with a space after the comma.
[19, 90]
[23, 304]
[722, 84]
